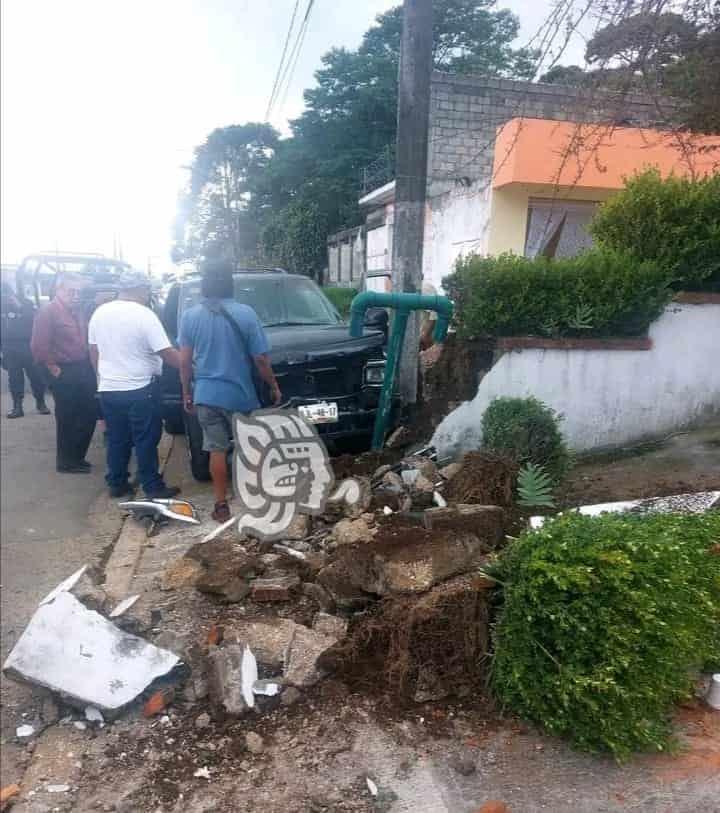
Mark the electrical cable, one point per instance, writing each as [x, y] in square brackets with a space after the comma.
[295, 55]
[282, 61]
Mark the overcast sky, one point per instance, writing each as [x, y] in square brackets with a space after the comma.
[103, 101]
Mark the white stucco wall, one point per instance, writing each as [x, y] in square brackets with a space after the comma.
[456, 224]
[608, 397]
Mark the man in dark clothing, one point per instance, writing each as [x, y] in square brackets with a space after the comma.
[17, 324]
[59, 342]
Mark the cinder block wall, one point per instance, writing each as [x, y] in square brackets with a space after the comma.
[465, 114]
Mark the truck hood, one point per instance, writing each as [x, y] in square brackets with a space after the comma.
[300, 344]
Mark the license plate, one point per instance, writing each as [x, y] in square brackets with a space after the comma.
[319, 413]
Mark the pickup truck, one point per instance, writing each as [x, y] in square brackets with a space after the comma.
[332, 379]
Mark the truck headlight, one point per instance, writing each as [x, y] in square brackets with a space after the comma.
[374, 374]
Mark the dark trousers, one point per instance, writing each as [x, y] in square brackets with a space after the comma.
[18, 362]
[133, 419]
[75, 411]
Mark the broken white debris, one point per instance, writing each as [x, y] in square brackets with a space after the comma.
[290, 551]
[409, 476]
[24, 731]
[713, 695]
[64, 586]
[93, 715]
[58, 788]
[266, 687]
[124, 606]
[79, 725]
[75, 651]
[439, 500]
[372, 787]
[387, 510]
[249, 673]
[202, 773]
[696, 503]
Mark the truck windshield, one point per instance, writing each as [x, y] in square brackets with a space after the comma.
[277, 300]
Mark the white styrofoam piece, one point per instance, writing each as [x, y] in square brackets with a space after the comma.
[124, 606]
[249, 673]
[64, 586]
[75, 651]
[266, 687]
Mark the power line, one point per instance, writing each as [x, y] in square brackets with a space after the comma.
[295, 54]
[282, 61]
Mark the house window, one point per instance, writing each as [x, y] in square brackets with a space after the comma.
[558, 228]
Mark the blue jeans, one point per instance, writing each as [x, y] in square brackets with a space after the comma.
[133, 419]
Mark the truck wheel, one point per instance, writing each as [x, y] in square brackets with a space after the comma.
[175, 425]
[199, 459]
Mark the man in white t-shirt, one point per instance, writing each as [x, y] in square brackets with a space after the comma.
[128, 345]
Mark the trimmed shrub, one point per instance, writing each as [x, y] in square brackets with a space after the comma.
[598, 293]
[342, 299]
[604, 619]
[528, 431]
[674, 222]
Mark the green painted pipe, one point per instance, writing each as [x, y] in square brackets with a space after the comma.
[402, 304]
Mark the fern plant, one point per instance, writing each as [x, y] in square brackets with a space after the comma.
[534, 487]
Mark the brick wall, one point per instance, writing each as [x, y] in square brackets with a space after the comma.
[465, 112]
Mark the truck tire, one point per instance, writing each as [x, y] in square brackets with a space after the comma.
[199, 459]
[175, 425]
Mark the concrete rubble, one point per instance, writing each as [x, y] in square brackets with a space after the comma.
[85, 658]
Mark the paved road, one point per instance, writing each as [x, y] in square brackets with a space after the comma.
[50, 525]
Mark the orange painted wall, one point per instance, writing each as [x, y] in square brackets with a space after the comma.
[558, 153]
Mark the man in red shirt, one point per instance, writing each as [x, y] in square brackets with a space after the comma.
[59, 343]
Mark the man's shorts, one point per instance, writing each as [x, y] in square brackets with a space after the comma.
[216, 424]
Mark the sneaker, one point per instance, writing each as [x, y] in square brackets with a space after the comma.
[73, 468]
[165, 493]
[221, 512]
[83, 464]
[42, 408]
[125, 490]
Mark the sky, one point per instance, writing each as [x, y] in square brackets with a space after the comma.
[103, 102]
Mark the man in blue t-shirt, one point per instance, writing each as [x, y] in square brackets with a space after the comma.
[225, 341]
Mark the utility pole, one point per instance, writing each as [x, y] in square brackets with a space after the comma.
[411, 175]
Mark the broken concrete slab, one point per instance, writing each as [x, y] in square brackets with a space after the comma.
[277, 588]
[393, 481]
[225, 678]
[424, 465]
[485, 521]
[269, 639]
[353, 531]
[337, 580]
[449, 471]
[301, 668]
[331, 625]
[181, 574]
[78, 653]
[225, 566]
[411, 560]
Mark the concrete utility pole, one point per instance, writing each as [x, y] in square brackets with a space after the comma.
[411, 174]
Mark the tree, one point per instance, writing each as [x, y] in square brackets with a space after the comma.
[219, 205]
[645, 43]
[350, 115]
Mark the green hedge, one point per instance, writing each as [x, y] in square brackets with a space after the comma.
[528, 431]
[675, 222]
[604, 619]
[342, 299]
[601, 292]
